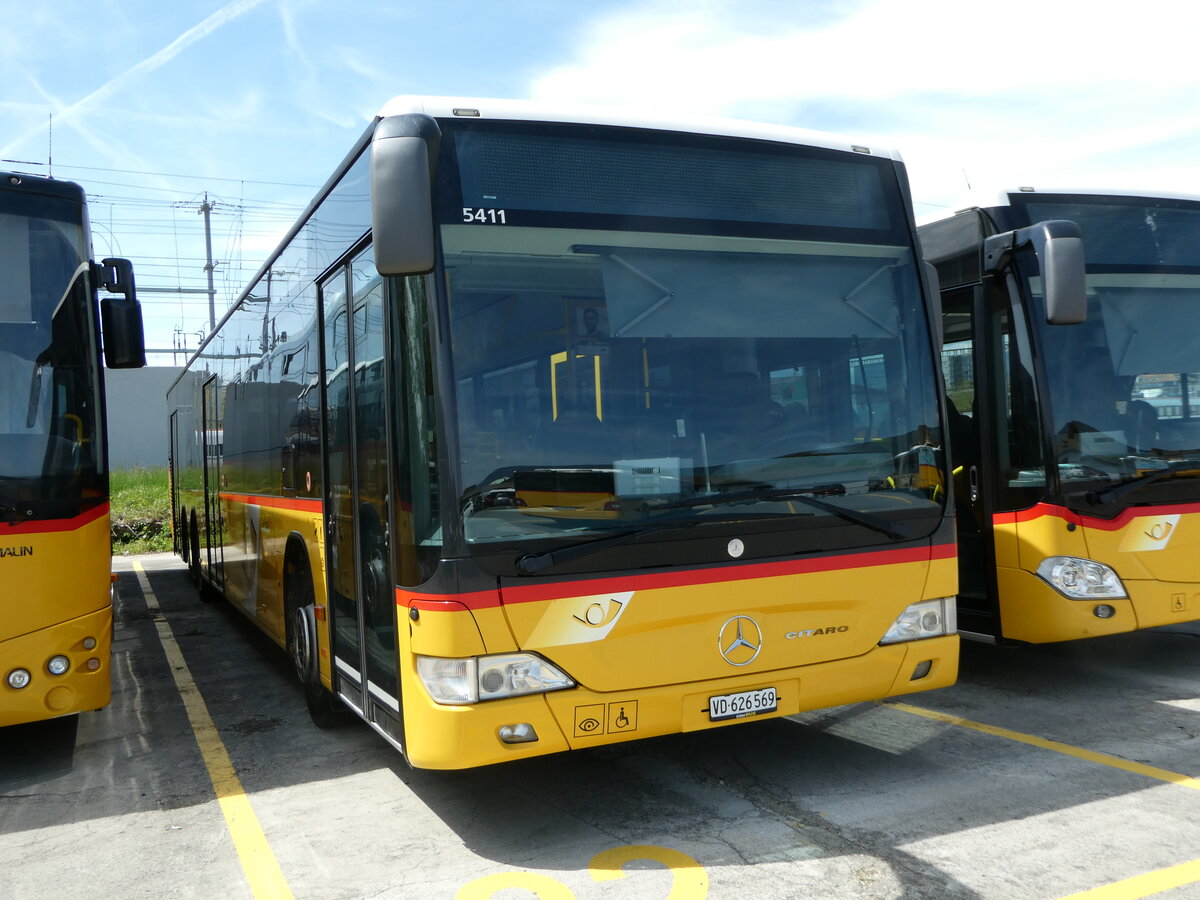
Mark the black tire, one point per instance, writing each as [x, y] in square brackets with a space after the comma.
[182, 541]
[194, 549]
[375, 581]
[326, 710]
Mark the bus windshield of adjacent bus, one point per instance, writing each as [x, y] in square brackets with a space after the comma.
[1124, 387]
[51, 455]
[652, 330]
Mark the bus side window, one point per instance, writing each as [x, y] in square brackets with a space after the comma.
[418, 541]
[959, 375]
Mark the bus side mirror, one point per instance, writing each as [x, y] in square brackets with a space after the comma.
[1059, 248]
[403, 150]
[1064, 277]
[124, 340]
[121, 317]
[116, 276]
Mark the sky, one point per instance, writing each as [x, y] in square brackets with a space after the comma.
[247, 106]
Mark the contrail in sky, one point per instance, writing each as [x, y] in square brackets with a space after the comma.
[222, 16]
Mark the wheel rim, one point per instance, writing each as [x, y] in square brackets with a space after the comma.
[303, 645]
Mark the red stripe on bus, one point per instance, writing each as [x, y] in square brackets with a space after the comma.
[1073, 518]
[298, 504]
[554, 590]
[48, 526]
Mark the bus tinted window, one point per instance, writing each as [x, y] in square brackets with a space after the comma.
[594, 174]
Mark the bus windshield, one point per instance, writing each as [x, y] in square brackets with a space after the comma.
[50, 451]
[636, 341]
[1124, 387]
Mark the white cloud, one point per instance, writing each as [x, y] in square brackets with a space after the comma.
[1033, 90]
[709, 55]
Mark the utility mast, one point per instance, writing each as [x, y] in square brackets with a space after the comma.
[205, 209]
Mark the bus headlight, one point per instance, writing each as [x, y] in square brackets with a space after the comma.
[929, 618]
[19, 678]
[58, 665]
[1081, 579]
[456, 682]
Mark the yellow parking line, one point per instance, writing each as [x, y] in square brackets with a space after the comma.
[258, 861]
[1144, 885]
[1102, 759]
[1130, 888]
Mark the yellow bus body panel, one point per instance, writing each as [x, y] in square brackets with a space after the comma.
[1154, 550]
[256, 535]
[611, 640]
[637, 666]
[56, 593]
[637, 671]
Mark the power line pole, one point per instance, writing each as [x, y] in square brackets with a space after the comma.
[205, 209]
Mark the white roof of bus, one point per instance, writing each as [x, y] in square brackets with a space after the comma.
[984, 198]
[530, 111]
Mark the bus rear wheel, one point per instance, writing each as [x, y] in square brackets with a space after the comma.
[183, 542]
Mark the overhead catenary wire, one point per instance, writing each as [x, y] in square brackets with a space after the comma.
[173, 257]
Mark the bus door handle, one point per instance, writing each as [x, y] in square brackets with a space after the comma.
[973, 481]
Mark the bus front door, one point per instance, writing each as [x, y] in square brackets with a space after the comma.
[214, 516]
[362, 599]
[967, 404]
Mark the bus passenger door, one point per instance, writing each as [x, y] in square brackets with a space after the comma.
[172, 484]
[362, 598]
[214, 518]
[966, 380]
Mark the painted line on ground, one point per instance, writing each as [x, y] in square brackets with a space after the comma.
[1091, 756]
[258, 860]
[1144, 885]
[1130, 888]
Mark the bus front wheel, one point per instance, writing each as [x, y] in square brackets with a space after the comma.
[326, 710]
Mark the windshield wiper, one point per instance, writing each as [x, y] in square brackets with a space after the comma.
[1116, 491]
[532, 563]
[804, 495]
[15, 515]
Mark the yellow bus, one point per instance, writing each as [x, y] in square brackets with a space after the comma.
[551, 428]
[55, 550]
[1075, 433]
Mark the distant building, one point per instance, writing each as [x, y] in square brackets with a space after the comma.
[137, 415]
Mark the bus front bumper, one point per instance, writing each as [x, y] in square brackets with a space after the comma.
[457, 737]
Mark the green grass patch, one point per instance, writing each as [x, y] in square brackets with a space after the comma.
[141, 511]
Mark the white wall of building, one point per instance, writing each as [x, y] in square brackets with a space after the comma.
[137, 415]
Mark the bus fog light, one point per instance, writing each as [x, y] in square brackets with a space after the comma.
[929, 618]
[923, 668]
[19, 678]
[521, 733]
[1081, 579]
[1104, 611]
[58, 665]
